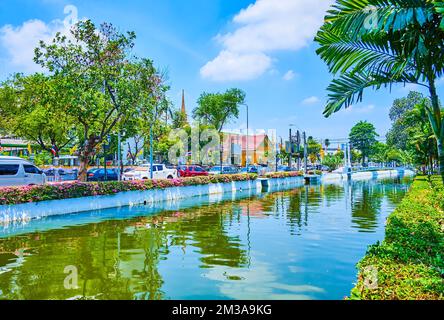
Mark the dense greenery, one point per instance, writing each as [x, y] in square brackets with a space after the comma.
[409, 263]
[375, 43]
[411, 131]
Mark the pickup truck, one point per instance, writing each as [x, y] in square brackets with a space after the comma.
[160, 171]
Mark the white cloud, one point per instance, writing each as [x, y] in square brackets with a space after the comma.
[20, 42]
[354, 109]
[311, 100]
[236, 66]
[289, 75]
[264, 27]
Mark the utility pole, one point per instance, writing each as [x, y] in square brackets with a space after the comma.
[305, 152]
[349, 155]
[298, 148]
[151, 153]
[291, 149]
[119, 155]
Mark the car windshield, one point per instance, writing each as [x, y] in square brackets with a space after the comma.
[215, 169]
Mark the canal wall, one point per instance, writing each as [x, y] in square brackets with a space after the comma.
[382, 174]
[37, 210]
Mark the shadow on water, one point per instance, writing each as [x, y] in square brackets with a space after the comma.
[300, 243]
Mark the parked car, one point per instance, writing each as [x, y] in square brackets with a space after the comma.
[225, 170]
[191, 171]
[250, 169]
[16, 171]
[284, 169]
[160, 171]
[99, 175]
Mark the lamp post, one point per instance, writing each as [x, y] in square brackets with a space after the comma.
[291, 144]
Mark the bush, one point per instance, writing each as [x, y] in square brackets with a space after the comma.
[280, 175]
[410, 261]
[26, 194]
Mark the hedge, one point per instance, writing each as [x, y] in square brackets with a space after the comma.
[281, 175]
[409, 263]
[26, 194]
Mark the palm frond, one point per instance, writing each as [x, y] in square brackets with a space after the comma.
[348, 89]
[372, 52]
[360, 16]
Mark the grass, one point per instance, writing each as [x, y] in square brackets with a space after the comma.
[409, 263]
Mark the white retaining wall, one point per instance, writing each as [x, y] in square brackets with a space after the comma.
[29, 211]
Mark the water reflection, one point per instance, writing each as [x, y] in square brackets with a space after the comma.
[296, 244]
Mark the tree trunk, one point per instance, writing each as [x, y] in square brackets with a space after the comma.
[86, 154]
[441, 158]
[438, 130]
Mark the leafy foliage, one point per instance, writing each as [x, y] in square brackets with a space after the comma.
[32, 107]
[104, 86]
[363, 137]
[410, 261]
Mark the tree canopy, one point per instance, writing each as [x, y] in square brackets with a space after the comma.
[363, 137]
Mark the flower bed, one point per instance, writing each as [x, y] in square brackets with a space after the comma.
[409, 263]
[281, 175]
[27, 194]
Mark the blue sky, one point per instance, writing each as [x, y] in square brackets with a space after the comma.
[263, 47]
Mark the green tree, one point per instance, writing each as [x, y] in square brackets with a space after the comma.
[217, 109]
[398, 135]
[376, 43]
[32, 108]
[363, 138]
[104, 87]
[379, 152]
[411, 132]
[313, 149]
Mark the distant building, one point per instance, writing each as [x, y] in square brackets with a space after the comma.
[184, 108]
[14, 146]
[235, 150]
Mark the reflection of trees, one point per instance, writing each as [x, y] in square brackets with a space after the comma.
[117, 259]
[294, 210]
[332, 193]
[207, 229]
[366, 205]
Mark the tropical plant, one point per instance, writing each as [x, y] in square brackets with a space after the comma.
[376, 43]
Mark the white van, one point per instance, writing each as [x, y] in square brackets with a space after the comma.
[15, 171]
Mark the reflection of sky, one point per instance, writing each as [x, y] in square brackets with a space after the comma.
[258, 282]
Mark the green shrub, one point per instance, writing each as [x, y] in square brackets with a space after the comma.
[410, 261]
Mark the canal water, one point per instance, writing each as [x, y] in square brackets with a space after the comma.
[301, 243]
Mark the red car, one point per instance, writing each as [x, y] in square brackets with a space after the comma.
[191, 171]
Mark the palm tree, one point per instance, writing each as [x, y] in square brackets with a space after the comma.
[376, 43]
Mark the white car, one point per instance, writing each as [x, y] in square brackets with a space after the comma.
[160, 171]
[16, 171]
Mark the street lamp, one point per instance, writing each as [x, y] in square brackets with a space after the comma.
[248, 129]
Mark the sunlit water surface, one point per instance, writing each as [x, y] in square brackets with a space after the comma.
[302, 243]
